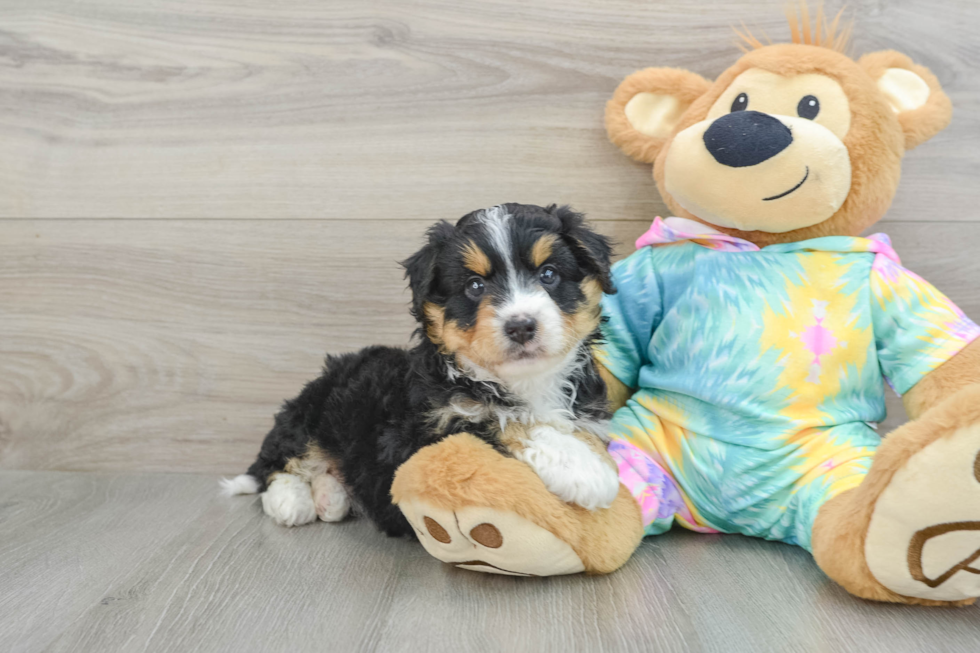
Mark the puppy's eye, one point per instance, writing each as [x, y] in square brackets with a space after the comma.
[548, 275]
[741, 102]
[808, 107]
[475, 288]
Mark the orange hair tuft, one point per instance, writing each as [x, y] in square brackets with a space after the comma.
[820, 32]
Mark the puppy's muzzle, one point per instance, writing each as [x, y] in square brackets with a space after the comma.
[520, 329]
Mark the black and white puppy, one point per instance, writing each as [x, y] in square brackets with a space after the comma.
[508, 306]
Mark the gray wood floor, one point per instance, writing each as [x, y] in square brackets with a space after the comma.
[124, 562]
[200, 198]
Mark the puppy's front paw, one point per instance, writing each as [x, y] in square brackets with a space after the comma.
[570, 469]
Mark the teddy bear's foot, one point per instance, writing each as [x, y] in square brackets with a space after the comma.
[477, 509]
[910, 533]
[924, 536]
[491, 541]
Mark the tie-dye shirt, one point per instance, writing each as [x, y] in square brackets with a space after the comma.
[760, 352]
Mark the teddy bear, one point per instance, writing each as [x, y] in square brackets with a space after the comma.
[748, 347]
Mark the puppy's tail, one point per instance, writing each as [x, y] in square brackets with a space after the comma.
[241, 484]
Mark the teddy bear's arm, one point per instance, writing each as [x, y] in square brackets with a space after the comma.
[616, 391]
[630, 317]
[958, 372]
[927, 347]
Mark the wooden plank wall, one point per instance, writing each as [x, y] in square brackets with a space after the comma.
[199, 198]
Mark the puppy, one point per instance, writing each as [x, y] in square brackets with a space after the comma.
[507, 302]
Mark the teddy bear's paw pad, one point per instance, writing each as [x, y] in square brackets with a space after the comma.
[924, 536]
[491, 541]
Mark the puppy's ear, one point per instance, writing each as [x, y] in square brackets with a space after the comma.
[593, 251]
[421, 268]
[646, 107]
[913, 93]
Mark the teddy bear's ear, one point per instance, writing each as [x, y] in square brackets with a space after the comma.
[913, 92]
[647, 106]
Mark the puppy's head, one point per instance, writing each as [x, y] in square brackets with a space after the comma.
[512, 289]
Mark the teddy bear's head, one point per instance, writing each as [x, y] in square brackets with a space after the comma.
[794, 141]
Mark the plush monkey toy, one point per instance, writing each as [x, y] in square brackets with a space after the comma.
[750, 341]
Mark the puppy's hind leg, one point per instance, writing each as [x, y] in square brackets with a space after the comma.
[289, 500]
[287, 462]
[330, 498]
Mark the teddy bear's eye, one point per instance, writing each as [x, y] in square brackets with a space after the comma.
[741, 102]
[808, 107]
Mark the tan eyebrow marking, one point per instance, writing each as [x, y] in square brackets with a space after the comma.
[476, 259]
[542, 249]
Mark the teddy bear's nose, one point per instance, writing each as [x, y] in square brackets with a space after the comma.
[746, 138]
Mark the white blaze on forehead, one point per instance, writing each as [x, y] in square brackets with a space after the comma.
[496, 220]
[521, 289]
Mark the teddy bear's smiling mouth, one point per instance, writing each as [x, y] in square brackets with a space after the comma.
[802, 181]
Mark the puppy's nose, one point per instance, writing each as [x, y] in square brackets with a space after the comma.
[746, 138]
[520, 329]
